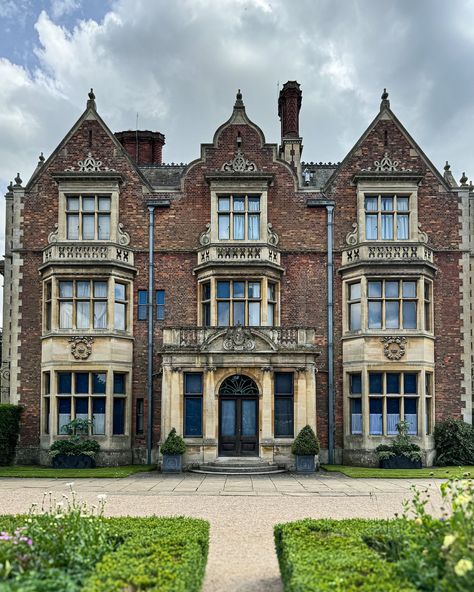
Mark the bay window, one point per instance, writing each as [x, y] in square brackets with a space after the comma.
[88, 217]
[82, 304]
[238, 302]
[387, 217]
[238, 217]
[393, 396]
[392, 304]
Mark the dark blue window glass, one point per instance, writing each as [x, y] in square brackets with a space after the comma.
[64, 382]
[356, 405]
[192, 416]
[119, 384]
[410, 406]
[283, 383]
[82, 406]
[393, 406]
[375, 383]
[393, 383]
[193, 384]
[118, 420]
[356, 384]
[142, 305]
[160, 305]
[99, 380]
[64, 405]
[376, 405]
[284, 417]
[223, 289]
[82, 383]
[98, 405]
[410, 383]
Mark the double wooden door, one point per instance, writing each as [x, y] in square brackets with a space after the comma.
[238, 425]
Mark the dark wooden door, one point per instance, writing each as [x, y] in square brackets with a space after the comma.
[238, 426]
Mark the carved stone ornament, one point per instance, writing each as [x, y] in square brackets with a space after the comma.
[394, 347]
[273, 238]
[205, 236]
[352, 236]
[267, 368]
[81, 347]
[387, 165]
[422, 236]
[239, 164]
[238, 339]
[53, 236]
[123, 236]
[89, 165]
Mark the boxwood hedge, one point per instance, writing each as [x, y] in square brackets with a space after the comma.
[331, 555]
[9, 430]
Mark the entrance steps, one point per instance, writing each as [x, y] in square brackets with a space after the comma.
[238, 466]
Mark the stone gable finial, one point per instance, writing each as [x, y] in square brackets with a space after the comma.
[447, 166]
[385, 103]
[40, 160]
[18, 180]
[462, 180]
[10, 187]
[239, 104]
[91, 100]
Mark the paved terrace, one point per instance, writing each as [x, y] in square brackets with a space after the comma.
[241, 509]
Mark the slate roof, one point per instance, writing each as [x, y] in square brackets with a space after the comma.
[163, 175]
[319, 173]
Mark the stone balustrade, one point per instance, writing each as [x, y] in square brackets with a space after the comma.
[387, 253]
[256, 253]
[87, 252]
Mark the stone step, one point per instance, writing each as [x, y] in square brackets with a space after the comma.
[221, 469]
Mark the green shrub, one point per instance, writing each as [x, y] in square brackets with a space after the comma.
[454, 442]
[9, 430]
[402, 445]
[173, 444]
[77, 442]
[306, 443]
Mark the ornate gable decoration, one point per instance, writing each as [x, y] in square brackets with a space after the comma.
[387, 165]
[239, 339]
[239, 164]
[89, 165]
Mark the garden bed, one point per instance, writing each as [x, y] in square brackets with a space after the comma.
[95, 554]
[424, 473]
[34, 471]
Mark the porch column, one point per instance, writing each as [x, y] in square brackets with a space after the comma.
[266, 413]
[209, 416]
[310, 380]
[166, 391]
[176, 401]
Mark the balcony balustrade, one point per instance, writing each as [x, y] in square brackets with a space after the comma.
[87, 253]
[387, 253]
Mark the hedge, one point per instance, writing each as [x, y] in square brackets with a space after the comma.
[9, 430]
[331, 555]
[151, 554]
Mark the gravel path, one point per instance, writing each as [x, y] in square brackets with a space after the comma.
[242, 556]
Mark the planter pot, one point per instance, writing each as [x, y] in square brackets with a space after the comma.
[305, 463]
[78, 461]
[172, 463]
[400, 462]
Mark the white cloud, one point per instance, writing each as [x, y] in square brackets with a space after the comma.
[60, 8]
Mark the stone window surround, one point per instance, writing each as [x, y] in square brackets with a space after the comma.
[405, 189]
[364, 279]
[109, 396]
[97, 276]
[420, 370]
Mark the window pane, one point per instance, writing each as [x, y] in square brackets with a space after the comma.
[224, 204]
[375, 418]
[271, 292]
[83, 289]
[65, 289]
[206, 314]
[354, 317]
[73, 204]
[375, 315]
[254, 204]
[82, 382]
[72, 226]
[409, 289]
[100, 289]
[411, 415]
[119, 291]
[375, 289]
[249, 418]
[391, 289]
[239, 313]
[98, 415]
[355, 384]
[283, 383]
[104, 226]
[371, 232]
[118, 419]
[409, 383]
[104, 204]
[356, 416]
[254, 314]
[64, 382]
[393, 383]
[223, 289]
[65, 315]
[387, 226]
[375, 383]
[99, 381]
[193, 384]
[254, 289]
[239, 289]
[228, 417]
[64, 414]
[100, 315]
[284, 417]
[393, 415]
[223, 309]
[120, 316]
[88, 204]
[239, 222]
[82, 407]
[402, 204]
[409, 315]
[88, 226]
[391, 314]
[83, 314]
[239, 204]
[119, 383]
[271, 315]
[192, 416]
[206, 291]
[402, 226]
[139, 416]
[224, 226]
[160, 297]
[387, 203]
[371, 204]
[254, 227]
[354, 291]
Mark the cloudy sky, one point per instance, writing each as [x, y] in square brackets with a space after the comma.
[179, 63]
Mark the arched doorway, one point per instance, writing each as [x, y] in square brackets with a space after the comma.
[238, 417]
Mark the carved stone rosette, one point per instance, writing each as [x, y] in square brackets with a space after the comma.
[239, 164]
[394, 347]
[238, 339]
[81, 347]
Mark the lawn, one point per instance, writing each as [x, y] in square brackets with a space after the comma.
[426, 473]
[48, 472]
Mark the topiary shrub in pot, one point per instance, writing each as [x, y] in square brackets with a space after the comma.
[77, 451]
[305, 448]
[172, 450]
[402, 454]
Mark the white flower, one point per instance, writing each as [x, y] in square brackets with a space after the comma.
[59, 504]
[462, 567]
[102, 497]
[448, 541]
[462, 499]
[70, 484]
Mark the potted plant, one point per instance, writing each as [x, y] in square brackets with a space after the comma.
[77, 451]
[172, 450]
[402, 454]
[305, 448]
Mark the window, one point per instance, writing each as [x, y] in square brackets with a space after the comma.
[81, 395]
[238, 302]
[428, 402]
[206, 304]
[397, 392]
[272, 303]
[355, 393]
[238, 217]
[160, 305]
[82, 304]
[47, 305]
[427, 304]
[140, 416]
[284, 423]
[118, 411]
[192, 405]
[142, 305]
[88, 217]
[120, 314]
[354, 306]
[47, 402]
[387, 217]
[392, 304]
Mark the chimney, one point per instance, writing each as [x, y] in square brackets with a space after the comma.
[289, 105]
[143, 147]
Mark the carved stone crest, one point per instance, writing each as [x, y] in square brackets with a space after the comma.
[394, 347]
[387, 165]
[239, 164]
[81, 347]
[239, 339]
[89, 165]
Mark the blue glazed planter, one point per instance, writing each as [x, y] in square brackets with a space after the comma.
[305, 463]
[172, 463]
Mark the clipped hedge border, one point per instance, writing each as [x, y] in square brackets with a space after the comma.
[9, 431]
[331, 555]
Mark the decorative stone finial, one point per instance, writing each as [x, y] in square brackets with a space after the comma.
[463, 180]
[238, 100]
[448, 175]
[447, 166]
[385, 103]
[18, 180]
[40, 159]
[91, 100]
[10, 187]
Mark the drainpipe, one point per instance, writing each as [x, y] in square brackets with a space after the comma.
[330, 309]
[151, 281]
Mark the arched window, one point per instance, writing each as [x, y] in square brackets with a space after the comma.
[238, 385]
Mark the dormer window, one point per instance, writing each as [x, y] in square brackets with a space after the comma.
[239, 217]
[387, 217]
[88, 217]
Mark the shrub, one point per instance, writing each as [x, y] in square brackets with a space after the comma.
[9, 430]
[401, 446]
[173, 444]
[454, 442]
[77, 443]
[306, 443]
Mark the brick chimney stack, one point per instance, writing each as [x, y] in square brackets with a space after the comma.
[143, 147]
[289, 105]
